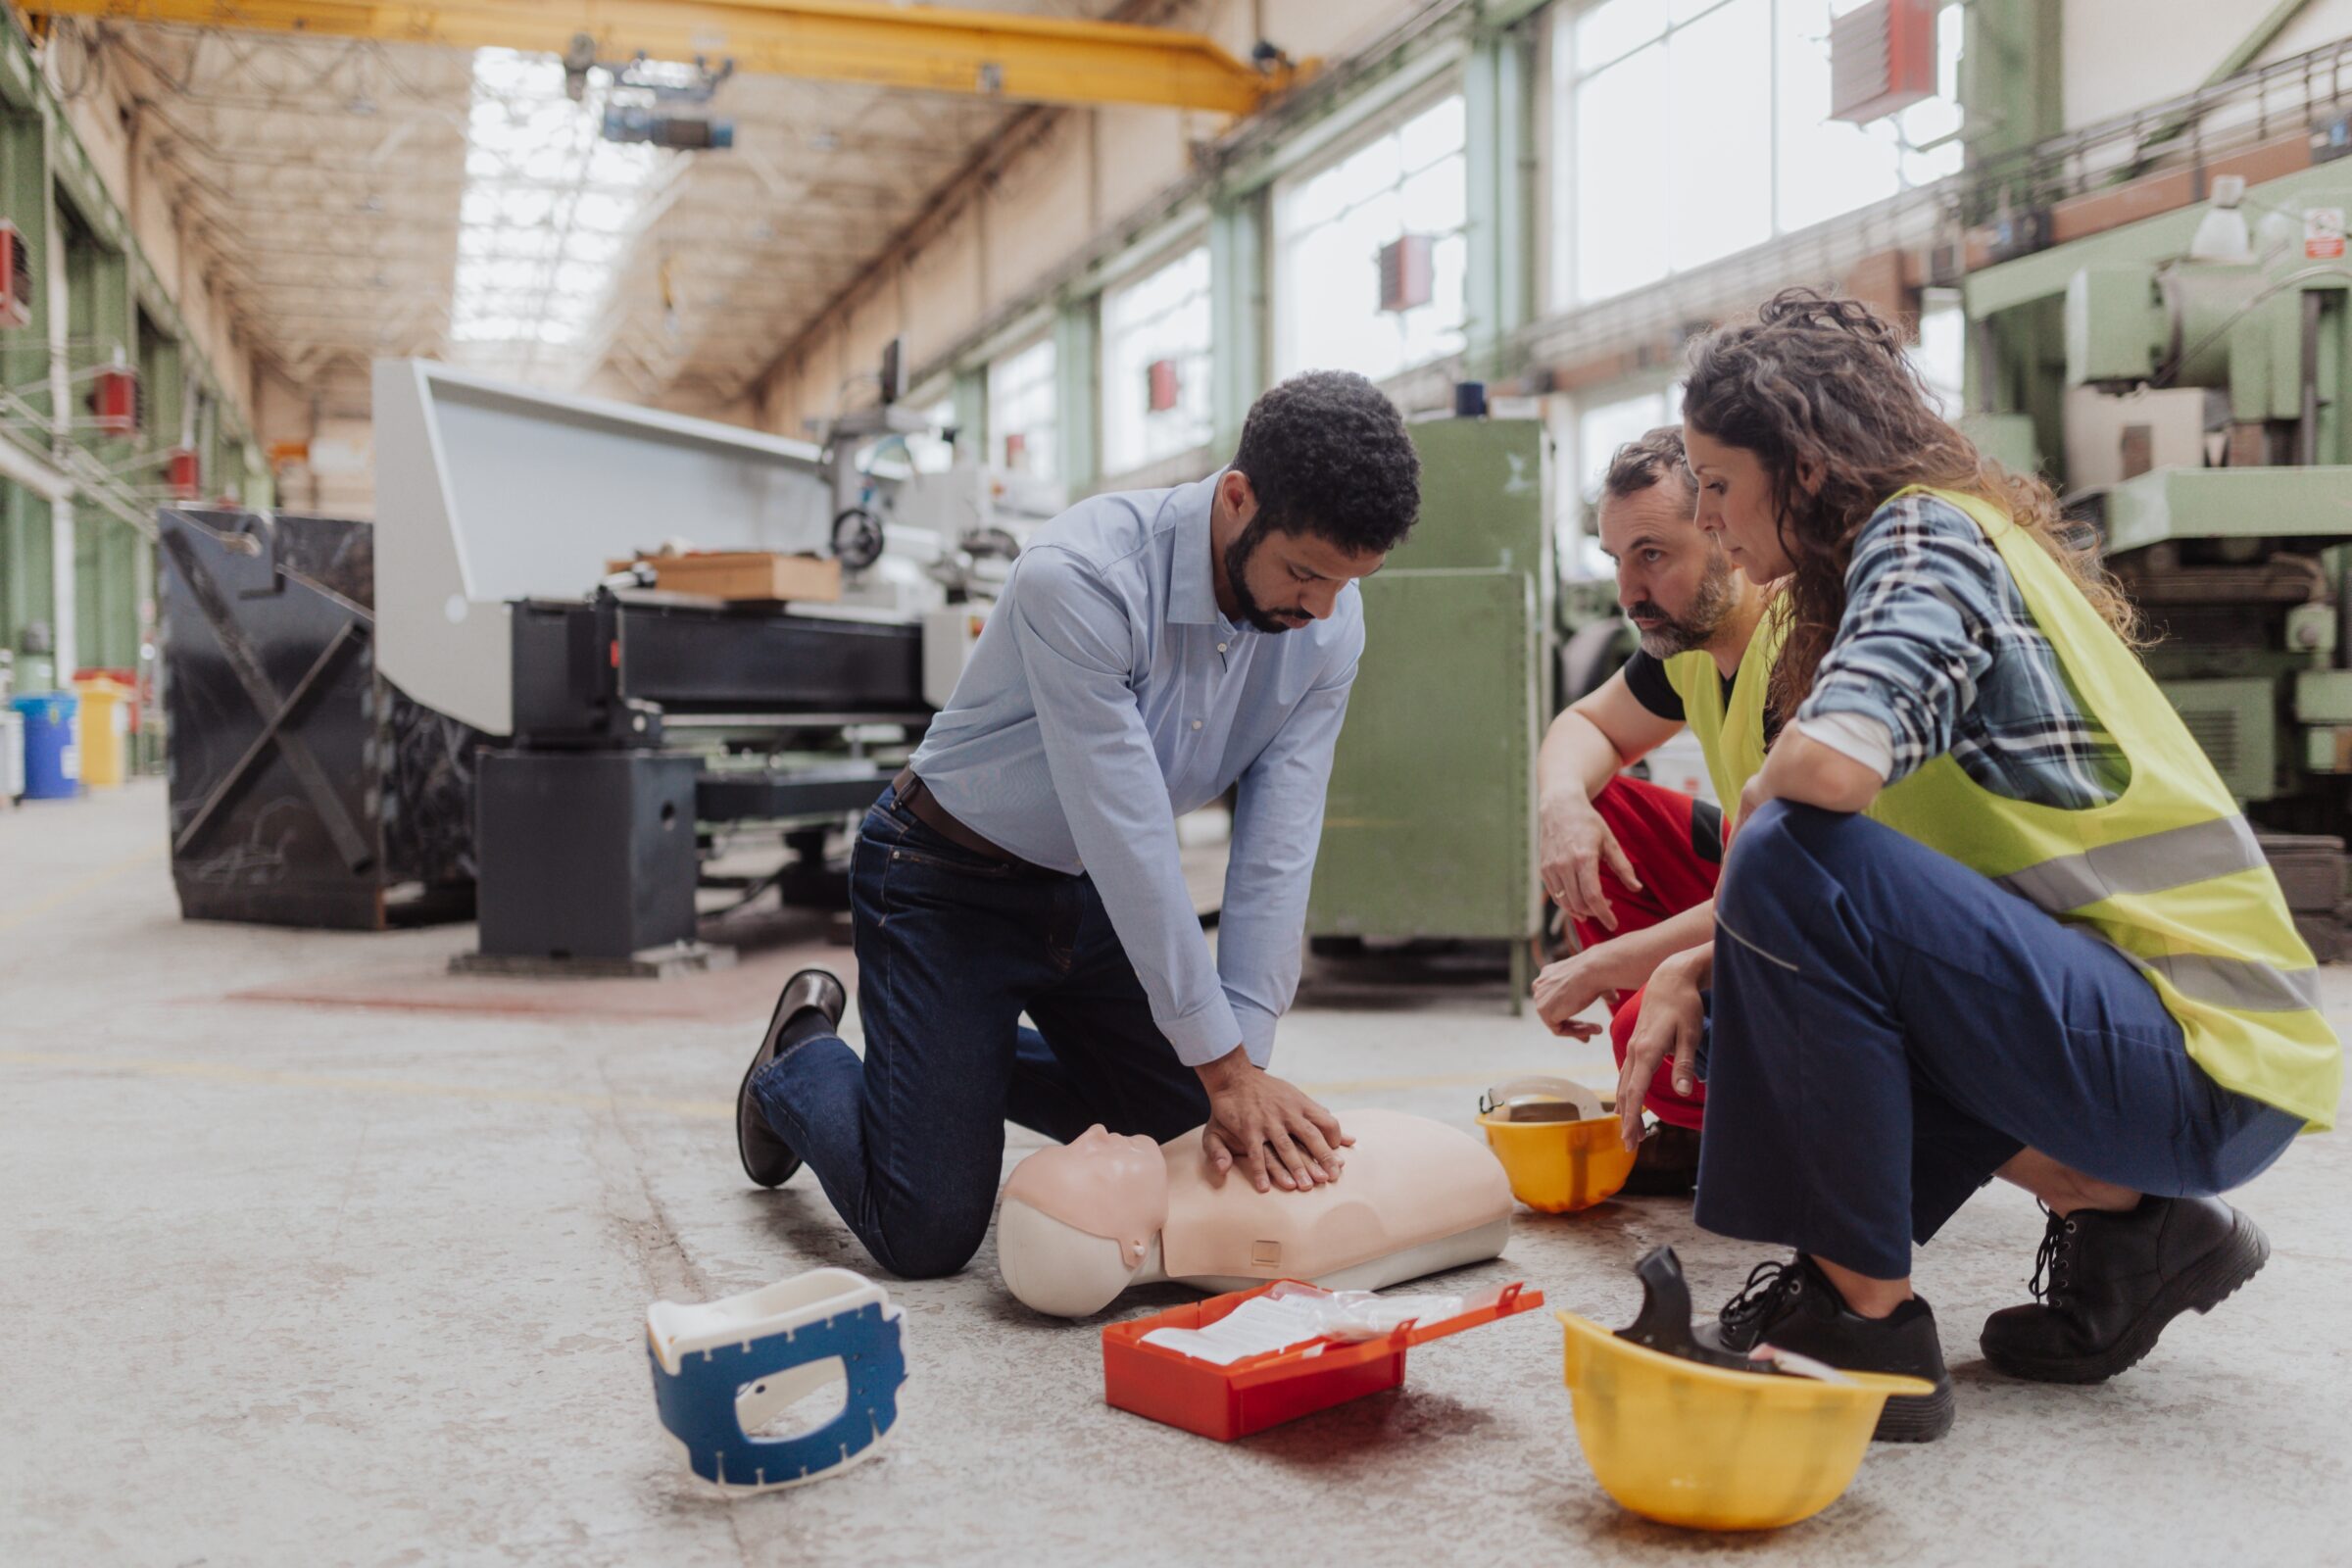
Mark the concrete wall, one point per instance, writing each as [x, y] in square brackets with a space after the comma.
[105, 129]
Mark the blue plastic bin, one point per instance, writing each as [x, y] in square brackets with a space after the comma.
[52, 758]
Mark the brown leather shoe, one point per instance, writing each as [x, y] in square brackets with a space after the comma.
[767, 1159]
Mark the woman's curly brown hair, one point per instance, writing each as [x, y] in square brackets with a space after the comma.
[1822, 383]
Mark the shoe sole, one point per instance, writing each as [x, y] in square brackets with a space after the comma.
[1916, 1417]
[2200, 1288]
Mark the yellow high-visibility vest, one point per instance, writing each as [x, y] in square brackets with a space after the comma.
[2169, 871]
[1732, 736]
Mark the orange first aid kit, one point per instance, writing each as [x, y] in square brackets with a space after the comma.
[1258, 1392]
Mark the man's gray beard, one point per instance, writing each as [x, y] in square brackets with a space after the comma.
[1706, 616]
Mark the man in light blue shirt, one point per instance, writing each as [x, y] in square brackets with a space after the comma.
[1151, 651]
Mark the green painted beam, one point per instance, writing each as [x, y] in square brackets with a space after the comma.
[1499, 157]
[1077, 394]
[1237, 312]
[2011, 91]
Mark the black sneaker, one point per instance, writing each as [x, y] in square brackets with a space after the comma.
[2105, 1285]
[1794, 1306]
[1666, 1165]
[768, 1159]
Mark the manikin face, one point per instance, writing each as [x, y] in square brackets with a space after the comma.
[1674, 582]
[1078, 1220]
[1735, 506]
[1281, 582]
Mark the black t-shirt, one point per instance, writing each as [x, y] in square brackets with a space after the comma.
[1645, 678]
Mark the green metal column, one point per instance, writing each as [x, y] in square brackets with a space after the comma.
[2011, 91]
[1498, 100]
[28, 200]
[1077, 381]
[970, 396]
[1236, 314]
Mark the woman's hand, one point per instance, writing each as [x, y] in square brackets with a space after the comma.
[1567, 988]
[1673, 1016]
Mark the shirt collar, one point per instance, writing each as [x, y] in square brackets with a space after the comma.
[1191, 586]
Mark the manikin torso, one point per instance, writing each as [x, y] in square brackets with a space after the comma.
[1082, 1222]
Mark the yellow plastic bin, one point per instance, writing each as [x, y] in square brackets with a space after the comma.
[105, 731]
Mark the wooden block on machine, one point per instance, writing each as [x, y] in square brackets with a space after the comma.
[745, 575]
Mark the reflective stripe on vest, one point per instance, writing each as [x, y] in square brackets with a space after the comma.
[2169, 873]
[2171, 859]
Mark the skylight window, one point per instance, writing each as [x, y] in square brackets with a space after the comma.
[546, 213]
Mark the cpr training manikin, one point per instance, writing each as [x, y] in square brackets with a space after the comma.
[1083, 1221]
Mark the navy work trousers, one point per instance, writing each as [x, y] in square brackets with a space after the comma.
[1888, 1028]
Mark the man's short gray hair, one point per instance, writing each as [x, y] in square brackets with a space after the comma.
[1647, 460]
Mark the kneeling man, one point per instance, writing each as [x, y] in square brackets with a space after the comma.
[1151, 651]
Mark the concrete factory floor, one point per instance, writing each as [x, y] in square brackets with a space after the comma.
[295, 1281]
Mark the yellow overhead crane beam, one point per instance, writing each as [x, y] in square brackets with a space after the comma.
[1037, 59]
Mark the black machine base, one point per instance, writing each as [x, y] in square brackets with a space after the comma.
[585, 855]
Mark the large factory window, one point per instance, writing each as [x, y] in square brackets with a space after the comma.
[1599, 429]
[1370, 254]
[1693, 128]
[1022, 410]
[1155, 364]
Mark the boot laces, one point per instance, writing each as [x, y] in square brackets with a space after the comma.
[1770, 1285]
[2051, 1262]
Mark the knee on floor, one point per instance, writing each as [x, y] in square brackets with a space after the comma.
[932, 1250]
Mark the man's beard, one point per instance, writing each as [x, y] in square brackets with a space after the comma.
[1709, 609]
[1236, 577]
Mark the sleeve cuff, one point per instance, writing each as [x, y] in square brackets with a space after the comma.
[1865, 739]
[1257, 1026]
[1209, 1031]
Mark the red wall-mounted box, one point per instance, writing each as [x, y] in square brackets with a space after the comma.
[1226, 1402]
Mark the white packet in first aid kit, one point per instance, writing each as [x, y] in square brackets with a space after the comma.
[1295, 1314]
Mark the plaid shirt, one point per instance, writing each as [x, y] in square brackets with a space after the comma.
[1936, 645]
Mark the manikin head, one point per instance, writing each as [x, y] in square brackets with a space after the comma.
[1674, 581]
[1079, 1220]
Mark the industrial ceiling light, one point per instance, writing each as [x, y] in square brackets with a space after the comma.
[547, 212]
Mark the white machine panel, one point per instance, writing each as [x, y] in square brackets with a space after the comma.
[488, 492]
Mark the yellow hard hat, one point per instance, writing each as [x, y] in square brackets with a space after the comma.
[1713, 1447]
[1557, 1149]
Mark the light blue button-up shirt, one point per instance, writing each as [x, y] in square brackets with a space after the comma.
[1106, 696]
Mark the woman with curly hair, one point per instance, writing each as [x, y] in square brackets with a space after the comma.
[1987, 909]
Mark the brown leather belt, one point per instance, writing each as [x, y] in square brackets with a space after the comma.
[915, 795]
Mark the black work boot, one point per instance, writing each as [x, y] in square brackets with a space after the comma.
[1794, 1308]
[810, 1003]
[1666, 1165]
[2105, 1286]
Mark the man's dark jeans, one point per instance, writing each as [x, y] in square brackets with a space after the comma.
[952, 949]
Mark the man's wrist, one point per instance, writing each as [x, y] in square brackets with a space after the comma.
[1224, 1070]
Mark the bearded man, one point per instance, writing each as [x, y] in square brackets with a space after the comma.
[1634, 865]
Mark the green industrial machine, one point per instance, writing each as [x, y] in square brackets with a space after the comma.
[2202, 417]
[1429, 824]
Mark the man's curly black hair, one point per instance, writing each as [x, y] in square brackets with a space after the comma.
[1327, 455]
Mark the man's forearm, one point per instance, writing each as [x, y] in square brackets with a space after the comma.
[1576, 763]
